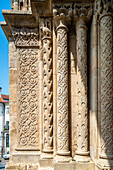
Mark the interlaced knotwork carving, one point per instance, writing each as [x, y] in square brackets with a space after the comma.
[48, 85]
[106, 54]
[61, 21]
[62, 67]
[103, 6]
[28, 102]
[25, 37]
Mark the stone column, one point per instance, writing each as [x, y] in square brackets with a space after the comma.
[47, 89]
[29, 5]
[16, 4]
[82, 152]
[62, 90]
[106, 57]
[25, 5]
[55, 89]
[41, 90]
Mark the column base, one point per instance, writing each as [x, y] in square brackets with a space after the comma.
[23, 159]
[46, 164]
[46, 156]
[104, 164]
[82, 157]
[74, 166]
[62, 158]
[26, 157]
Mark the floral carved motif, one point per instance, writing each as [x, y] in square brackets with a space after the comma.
[25, 37]
[28, 101]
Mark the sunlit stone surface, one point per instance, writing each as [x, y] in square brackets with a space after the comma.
[60, 84]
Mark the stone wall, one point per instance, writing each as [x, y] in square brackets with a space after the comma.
[60, 56]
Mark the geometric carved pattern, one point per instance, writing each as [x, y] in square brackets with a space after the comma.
[28, 102]
[106, 55]
[25, 37]
[82, 119]
[62, 88]
[48, 87]
[82, 14]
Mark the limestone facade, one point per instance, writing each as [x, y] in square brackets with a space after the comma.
[61, 84]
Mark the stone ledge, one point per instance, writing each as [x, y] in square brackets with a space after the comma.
[11, 166]
[16, 12]
[46, 163]
[26, 158]
[74, 166]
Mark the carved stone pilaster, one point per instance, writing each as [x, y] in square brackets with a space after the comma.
[28, 88]
[62, 86]
[106, 58]
[82, 14]
[46, 38]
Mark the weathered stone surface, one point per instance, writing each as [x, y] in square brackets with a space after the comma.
[46, 38]
[74, 166]
[60, 84]
[16, 167]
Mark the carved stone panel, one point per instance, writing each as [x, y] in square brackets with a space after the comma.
[25, 37]
[28, 99]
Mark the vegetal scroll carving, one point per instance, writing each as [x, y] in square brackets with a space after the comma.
[25, 37]
[28, 101]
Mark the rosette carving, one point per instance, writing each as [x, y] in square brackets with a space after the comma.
[28, 101]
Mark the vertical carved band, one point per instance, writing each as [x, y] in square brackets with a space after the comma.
[62, 19]
[28, 87]
[82, 16]
[62, 87]
[48, 95]
[106, 54]
[28, 102]
[82, 123]
[48, 87]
